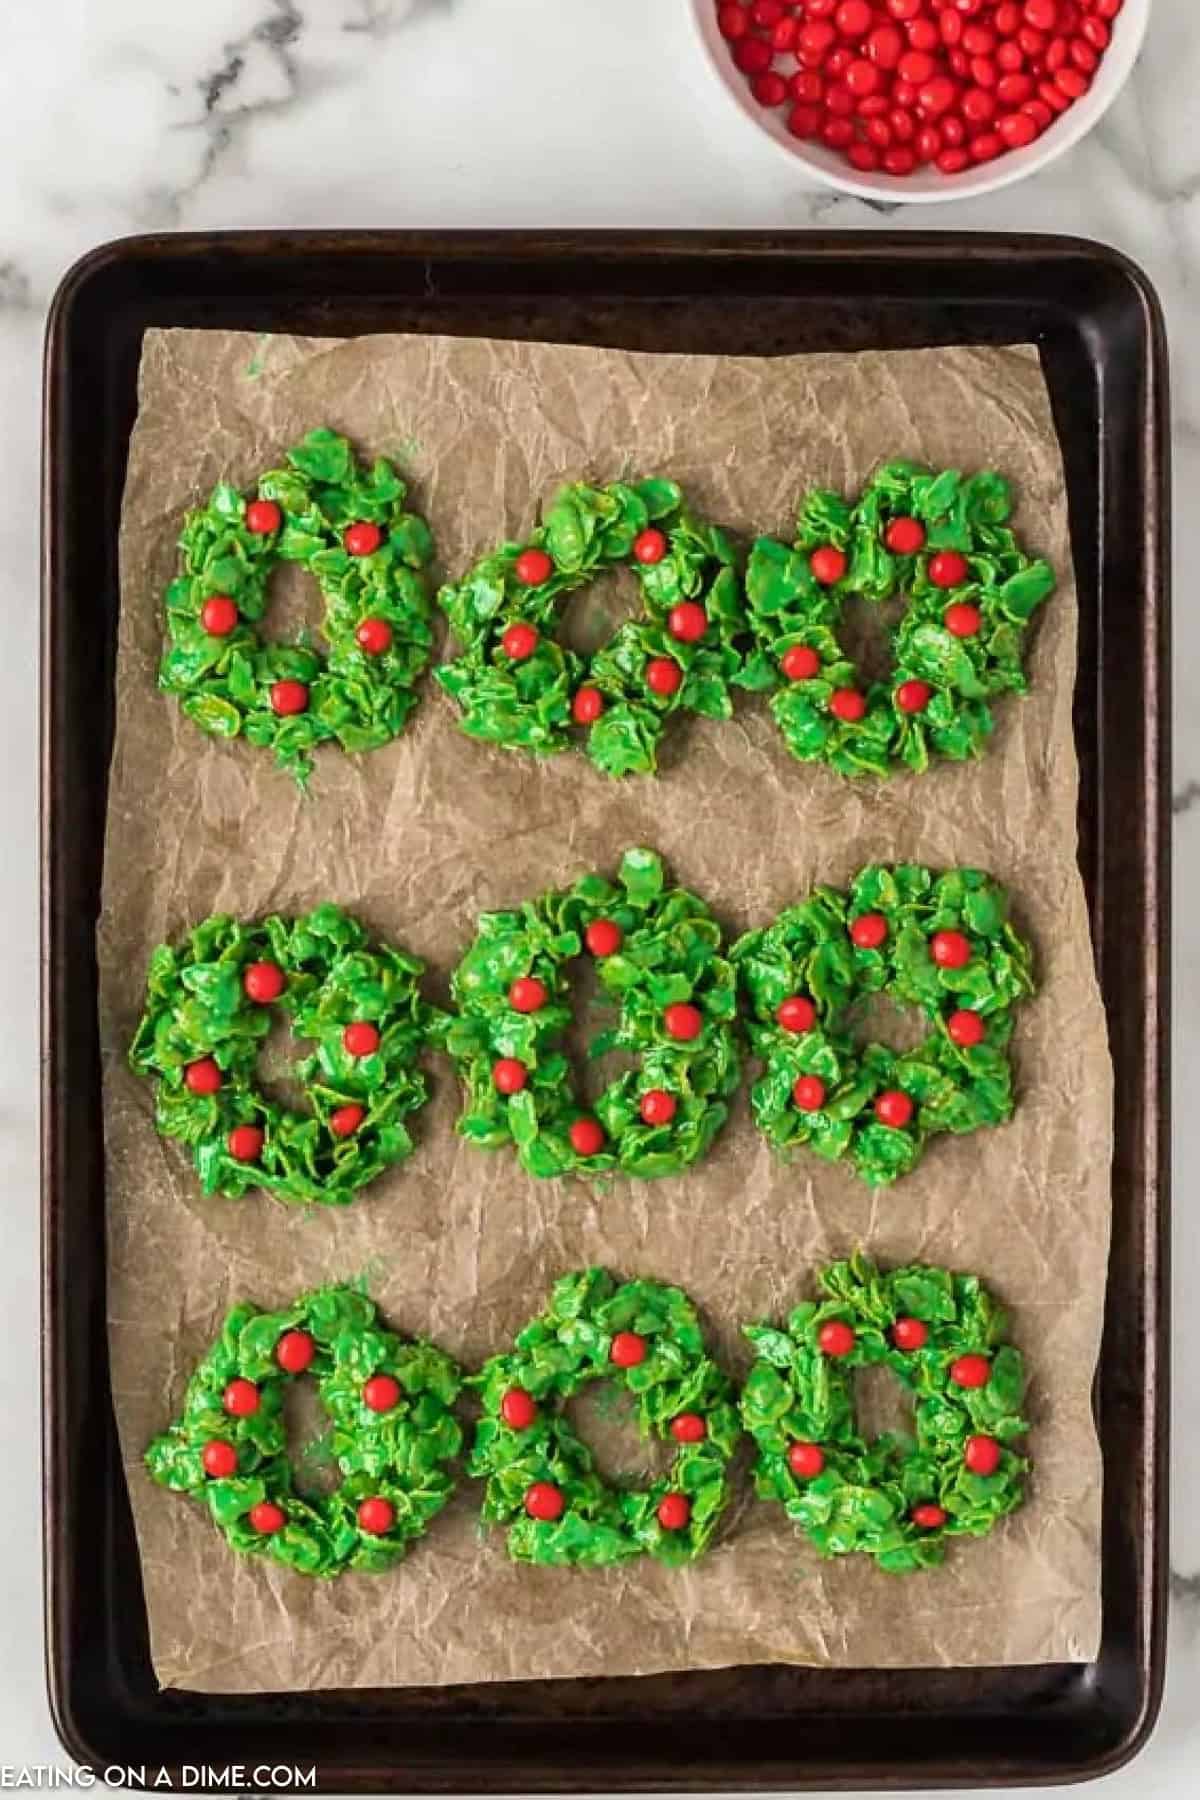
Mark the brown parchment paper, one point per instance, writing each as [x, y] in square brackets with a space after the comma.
[421, 836]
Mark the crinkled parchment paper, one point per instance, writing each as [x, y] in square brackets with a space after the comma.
[421, 836]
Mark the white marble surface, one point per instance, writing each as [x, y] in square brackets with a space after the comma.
[120, 116]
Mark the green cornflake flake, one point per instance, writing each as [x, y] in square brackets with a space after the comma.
[357, 700]
[553, 1358]
[671, 951]
[400, 1456]
[807, 951]
[197, 1008]
[789, 608]
[526, 705]
[864, 1496]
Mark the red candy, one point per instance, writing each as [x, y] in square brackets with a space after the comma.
[627, 1350]
[533, 567]
[688, 1428]
[203, 1077]
[519, 641]
[587, 1137]
[683, 1022]
[966, 1029]
[797, 1013]
[800, 663]
[688, 621]
[913, 696]
[362, 539]
[219, 1459]
[375, 1515]
[950, 949]
[828, 564]
[806, 1460]
[809, 1093]
[373, 637]
[544, 1501]
[518, 1409]
[910, 1334]
[587, 706]
[245, 1143]
[836, 1338]
[650, 546]
[603, 937]
[894, 1108]
[674, 1511]
[928, 1516]
[288, 698]
[219, 615]
[663, 676]
[868, 931]
[344, 1121]
[381, 1393]
[295, 1351]
[361, 1038]
[905, 536]
[263, 516]
[267, 1518]
[895, 85]
[982, 1455]
[848, 705]
[241, 1398]
[527, 994]
[657, 1107]
[962, 619]
[508, 1075]
[970, 1371]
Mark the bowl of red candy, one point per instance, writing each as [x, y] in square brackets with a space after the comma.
[923, 99]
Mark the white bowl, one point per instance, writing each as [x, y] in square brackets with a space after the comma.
[1128, 30]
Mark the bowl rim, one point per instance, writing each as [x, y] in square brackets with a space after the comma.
[1015, 165]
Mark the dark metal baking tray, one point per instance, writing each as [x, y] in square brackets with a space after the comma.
[1100, 331]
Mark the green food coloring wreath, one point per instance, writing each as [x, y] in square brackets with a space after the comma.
[895, 1499]
[943, 542]
[392, 1435]
[658, 959]
[347, 526]
[541, 1478]
[940, 943]
[209, 1005]
[516, 686]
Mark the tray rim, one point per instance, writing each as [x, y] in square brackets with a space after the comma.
[884, 247]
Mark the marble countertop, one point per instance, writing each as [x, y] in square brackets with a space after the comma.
[133, 116]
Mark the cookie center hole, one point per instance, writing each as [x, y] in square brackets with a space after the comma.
[295, 609]
[865, 635]
[882, 1404]
[309, 1441]
[604, 1415]
[277, 1058]
[591, 615]
[592, 1011]
[876, 1019]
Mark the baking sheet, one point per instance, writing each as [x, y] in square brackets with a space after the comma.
[421, 836]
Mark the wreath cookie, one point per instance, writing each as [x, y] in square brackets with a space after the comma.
[541, 1478]
[518, 687]
[657, 955]
[392, 1436]
[347, 526]
[209, 1005]
[898, 1501]
[941, 541]
[940, 943]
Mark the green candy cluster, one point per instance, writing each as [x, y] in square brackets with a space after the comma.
[197, 1008]
[863, 1498]
[789, 608]
[527, 704]
[558, 1354]
[807, 950]
[670, 952]
[355, 699]
[400, 1456]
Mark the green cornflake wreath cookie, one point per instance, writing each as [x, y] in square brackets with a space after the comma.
[392, 1434]
[898, 1501]
[347, 526]
[941, 541]
[518, 687]
[657, 953]
[941, 943]
[541, 1479]
[209, 1007]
